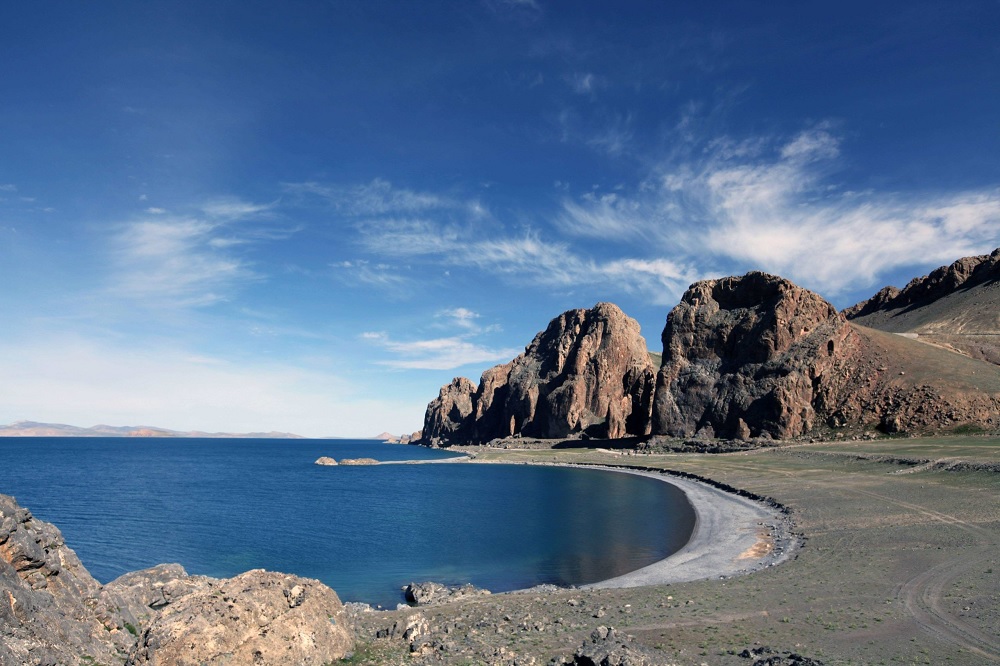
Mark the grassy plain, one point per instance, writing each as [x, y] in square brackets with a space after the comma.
[901, 566]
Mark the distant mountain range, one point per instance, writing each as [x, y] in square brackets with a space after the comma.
[34, 429]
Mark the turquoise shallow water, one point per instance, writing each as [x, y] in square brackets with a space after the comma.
[222, 506]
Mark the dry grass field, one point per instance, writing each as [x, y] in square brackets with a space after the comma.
[901, 565]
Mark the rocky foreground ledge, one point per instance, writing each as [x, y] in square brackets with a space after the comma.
[52, 611]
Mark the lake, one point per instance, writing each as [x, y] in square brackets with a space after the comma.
[223, 506]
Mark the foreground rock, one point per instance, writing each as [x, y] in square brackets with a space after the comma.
[52, 611]
[589, 372]
[258, 617]
[608, 647]
[50, 608]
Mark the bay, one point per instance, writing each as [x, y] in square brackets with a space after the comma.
[223, 506]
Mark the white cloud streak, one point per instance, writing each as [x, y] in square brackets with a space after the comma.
[445, 353]
[776, 212]
[163, 260]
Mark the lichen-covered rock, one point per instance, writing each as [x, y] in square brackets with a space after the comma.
[749, 356]
[588, 371]
[50, 611]
[257, 617]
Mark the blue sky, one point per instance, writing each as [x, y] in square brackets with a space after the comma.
[308, 216]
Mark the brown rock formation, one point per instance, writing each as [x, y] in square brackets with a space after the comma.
[757, 356]
[749, 356]
[588, 370]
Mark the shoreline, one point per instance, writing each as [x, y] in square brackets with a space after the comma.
[733, 535]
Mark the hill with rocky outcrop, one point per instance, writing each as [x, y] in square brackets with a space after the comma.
[743, 357]
[52, 611]
[588, 372]
[955, 306]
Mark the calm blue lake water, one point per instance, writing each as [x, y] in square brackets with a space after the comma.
[222, 506]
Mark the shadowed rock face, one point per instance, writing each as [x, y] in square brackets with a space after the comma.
[589, 369]
[748, 356]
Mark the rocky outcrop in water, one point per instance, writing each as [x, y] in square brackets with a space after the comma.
[750, 356]
[588, 371]
[52, 611]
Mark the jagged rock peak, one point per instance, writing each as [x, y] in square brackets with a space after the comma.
[964, 273]
[746, 356]
[589, 369]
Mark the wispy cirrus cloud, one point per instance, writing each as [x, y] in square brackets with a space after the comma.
[378, 197]
[361, 272]
[766, 204]
[181, 261]
[446, 353]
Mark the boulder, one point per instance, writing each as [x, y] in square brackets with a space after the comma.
[50, 610]
[325, 460]
[258, 617]
[608, 647]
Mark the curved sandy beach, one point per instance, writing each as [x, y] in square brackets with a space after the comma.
[732, 535]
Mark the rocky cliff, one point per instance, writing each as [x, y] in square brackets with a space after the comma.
[757, 356]
[52, 611]
[955, 306]
[751, 356]
[588, 371]
[743, 357]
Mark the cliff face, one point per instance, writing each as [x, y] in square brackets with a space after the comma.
[589, 370]
[52, 611]
[746, 357]
[749, 356]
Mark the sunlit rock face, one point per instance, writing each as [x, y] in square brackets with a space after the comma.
[588, 371]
